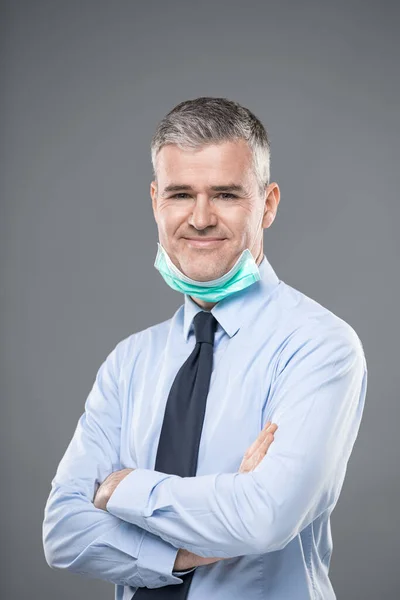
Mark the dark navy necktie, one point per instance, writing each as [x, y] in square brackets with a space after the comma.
[180, 435]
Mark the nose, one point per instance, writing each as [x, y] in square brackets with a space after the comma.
[203, 214]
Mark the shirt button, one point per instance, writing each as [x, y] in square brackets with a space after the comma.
[163, 578]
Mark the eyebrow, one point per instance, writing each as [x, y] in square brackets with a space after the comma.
[230, 187]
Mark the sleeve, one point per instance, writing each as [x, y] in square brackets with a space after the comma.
[76, 535]
[316, 399]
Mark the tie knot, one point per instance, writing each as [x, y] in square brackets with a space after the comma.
[205, 324]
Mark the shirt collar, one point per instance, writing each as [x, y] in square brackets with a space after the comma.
[234, 309]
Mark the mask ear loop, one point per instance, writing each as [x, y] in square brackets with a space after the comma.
[255, 237]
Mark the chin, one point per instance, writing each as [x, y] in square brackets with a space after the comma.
[204, 267]
[203, 274]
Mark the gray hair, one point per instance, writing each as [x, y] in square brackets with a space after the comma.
[195, 123]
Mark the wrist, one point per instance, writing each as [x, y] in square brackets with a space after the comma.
[184, 560]
[107, 488]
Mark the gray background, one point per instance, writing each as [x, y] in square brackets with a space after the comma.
[83, 86]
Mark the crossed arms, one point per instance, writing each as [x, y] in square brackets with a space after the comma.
[317, 400]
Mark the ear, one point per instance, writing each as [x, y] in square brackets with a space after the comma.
[153, 194]
[272, 198]
[269, 218]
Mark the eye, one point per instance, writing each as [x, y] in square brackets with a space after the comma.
[227, 195]
[179, 194]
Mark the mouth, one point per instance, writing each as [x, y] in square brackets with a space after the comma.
[206, 243]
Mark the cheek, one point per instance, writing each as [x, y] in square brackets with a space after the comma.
[235, 215]
[174, 219]
[238, 223]
[170, 226]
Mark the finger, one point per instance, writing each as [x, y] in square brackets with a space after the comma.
[259, 441]
[271, 427]
[258, 456]
[263, 447]
[269, 438]
[256, 442]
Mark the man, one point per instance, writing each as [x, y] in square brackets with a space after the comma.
[155, 492]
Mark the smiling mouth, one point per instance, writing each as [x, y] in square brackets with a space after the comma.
[204, 243]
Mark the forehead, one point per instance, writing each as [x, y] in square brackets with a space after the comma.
[213, 163]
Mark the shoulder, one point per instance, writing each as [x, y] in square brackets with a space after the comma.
[306, 322]
[153, 336]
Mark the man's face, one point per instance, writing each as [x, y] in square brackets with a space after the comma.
[203, 204]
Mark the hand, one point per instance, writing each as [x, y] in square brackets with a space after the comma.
[105, 490]
[252, 457]
[186, 560]
[259, 448]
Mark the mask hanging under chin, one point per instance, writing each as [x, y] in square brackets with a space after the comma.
[244, 272]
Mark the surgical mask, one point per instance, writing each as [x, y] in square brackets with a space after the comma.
[244, 272]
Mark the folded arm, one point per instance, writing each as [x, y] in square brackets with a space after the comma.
[82, 538]
[317, 400]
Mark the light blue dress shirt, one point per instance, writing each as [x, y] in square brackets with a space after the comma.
[278, 356]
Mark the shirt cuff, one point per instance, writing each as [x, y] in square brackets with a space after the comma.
[155, 562]
[183, 572]
[129, 500]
